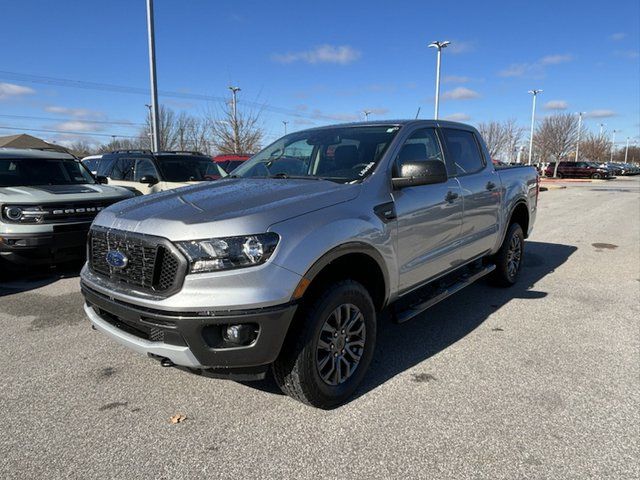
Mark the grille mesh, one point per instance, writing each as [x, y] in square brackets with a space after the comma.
[150, 265]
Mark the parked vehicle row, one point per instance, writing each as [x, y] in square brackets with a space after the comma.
[591, 170]
[288, 262]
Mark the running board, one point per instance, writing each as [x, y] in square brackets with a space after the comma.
[441, 293]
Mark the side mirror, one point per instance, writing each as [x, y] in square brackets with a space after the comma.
[420, 173]
[102, 179]
[149, 180]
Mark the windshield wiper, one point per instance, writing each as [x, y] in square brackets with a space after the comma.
[284, 175]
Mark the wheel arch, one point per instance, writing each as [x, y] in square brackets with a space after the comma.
[356, 260]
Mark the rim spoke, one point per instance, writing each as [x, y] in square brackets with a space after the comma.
[333, 369]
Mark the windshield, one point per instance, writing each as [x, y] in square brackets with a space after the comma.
[342, 154]
[31, 172]
[187, 168]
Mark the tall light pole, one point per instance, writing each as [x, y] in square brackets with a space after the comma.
[579, 128]
[234, 106]
[626, 151]
[439, 45]
[284, 122]
[366, 115]
[533, 121]
[602, 125]
[613, 143]
[155, 123]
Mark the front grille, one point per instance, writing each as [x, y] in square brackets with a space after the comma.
[153, 264]
[65, 212]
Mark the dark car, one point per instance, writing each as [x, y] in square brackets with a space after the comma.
[578, 170]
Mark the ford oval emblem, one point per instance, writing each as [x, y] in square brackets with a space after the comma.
[116, 259]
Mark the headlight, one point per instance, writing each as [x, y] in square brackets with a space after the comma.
[23, 214]
[226, 253]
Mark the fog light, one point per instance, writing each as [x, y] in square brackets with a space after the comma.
[243, 334]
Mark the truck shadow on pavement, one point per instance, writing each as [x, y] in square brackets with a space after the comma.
[401, 347]
[16, 279]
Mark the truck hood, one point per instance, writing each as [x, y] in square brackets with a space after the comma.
[226, 207]
[43, 194]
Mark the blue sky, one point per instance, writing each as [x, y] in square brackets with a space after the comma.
[314, 63]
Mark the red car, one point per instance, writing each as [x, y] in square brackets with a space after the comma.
[578, 170]
[230, 162]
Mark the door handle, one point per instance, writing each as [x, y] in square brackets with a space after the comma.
[451, 196]
[491, 186]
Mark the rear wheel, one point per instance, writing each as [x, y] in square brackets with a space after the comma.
[508, 260]
[327, 354]
[558, 175]
[596, 175]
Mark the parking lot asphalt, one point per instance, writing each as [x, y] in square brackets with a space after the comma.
[538, 381]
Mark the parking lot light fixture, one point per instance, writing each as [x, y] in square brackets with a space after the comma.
[602, 125]
[285, 122]
[234, 106]
[613, 143]
[578, 138]
[533, 121]
[439, 45]
[366, 115]
[626, 151]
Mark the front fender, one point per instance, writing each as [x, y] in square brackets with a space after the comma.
[311, 241]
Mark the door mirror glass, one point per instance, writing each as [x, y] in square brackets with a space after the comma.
[149, 180]
[425, 172]
[102, 179]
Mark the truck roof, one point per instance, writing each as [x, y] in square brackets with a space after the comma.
[400, 123]
[33, 153]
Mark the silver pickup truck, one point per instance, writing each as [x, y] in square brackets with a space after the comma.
[289, 261]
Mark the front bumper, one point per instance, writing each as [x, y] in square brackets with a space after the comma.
[191, 339]
[64, 242]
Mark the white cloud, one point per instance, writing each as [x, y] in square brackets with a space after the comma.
[602, 113]
[556, 105]
[455, 79]
[535, 69]
[460, 93]
[616, 37]
[343, 55]
[631, 54]
[378, 111]
[10, 90]
[555, 59]
[458, 117]
[74, 112]
[340, 117]
[458, 46]
[77, 126]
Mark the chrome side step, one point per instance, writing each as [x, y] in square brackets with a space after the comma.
[440, 293]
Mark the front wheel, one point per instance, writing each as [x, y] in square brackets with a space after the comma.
[508, 260]
[596, 175]
[326, 355]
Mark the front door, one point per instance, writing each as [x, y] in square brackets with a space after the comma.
[429, 217]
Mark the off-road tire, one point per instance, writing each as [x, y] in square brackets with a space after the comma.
[296, 369]
[503, 276]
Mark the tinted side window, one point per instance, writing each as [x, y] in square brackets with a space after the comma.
[104, 166]
[91, 165]
[422, 145]
[144, 167]
[464, 150]
[123, 169]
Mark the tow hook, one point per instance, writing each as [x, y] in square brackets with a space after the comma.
[165, 362]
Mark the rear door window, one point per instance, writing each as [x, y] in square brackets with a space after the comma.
[144, 167]
[463, 148]
[123, 169]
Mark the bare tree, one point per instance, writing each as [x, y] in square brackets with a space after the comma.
[595, 147]
[224, 126]
[122, 144]
[495, 136]
[501, 138]
[81, 148]
[556, 136]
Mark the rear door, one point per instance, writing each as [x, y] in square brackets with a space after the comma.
[481, 192]
[429, 217]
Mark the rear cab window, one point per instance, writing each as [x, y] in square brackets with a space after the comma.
[464, 150]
